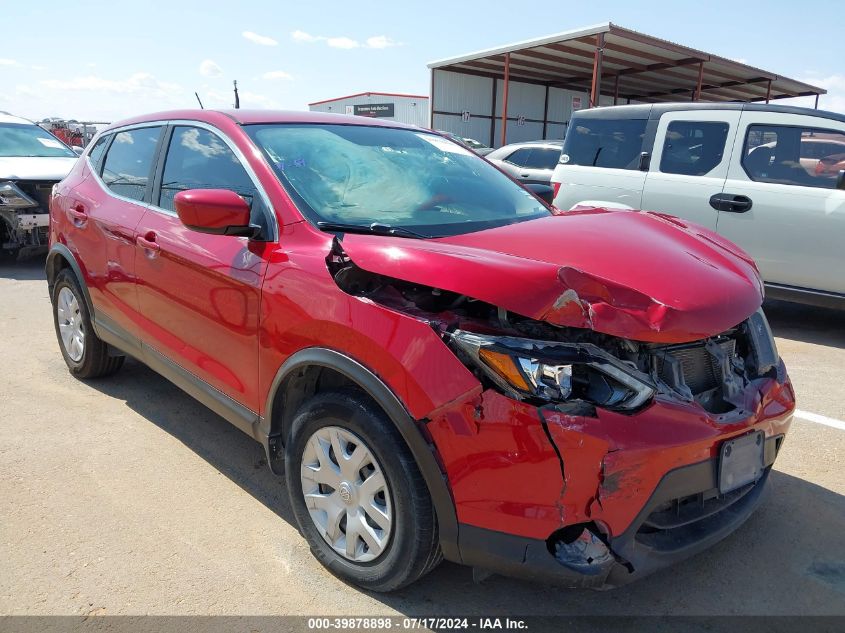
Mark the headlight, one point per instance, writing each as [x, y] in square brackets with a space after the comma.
[764, 350]
[11, 196]
[555, 372]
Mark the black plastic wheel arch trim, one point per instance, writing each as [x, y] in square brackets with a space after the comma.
[421, 450]
[62, 251]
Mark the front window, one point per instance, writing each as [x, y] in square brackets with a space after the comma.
[199, 159]
[353, 174]
[693, 148]
[25, 139]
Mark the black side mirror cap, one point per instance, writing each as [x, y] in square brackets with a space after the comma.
[840, 179]
[644, 162]
[544, 192]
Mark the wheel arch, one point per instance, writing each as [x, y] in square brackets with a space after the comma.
[298, 378]
[59, 258]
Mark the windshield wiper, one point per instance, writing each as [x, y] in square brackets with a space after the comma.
[376, 228]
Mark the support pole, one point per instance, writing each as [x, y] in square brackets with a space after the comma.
[697, 96]
[817, 102]
[546, 112]
[769, 91]
[431, 103]
[595, 90]
[505, 99]
[616, 89]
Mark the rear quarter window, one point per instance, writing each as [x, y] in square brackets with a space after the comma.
[611, 143]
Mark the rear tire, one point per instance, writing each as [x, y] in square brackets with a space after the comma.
[85, 354]
[403, 538]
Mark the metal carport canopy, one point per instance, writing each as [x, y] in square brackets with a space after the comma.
[610, 60]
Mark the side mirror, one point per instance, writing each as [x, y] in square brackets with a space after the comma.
[78, 150]
[840, 179]
[215, 211]
[544, 192]
[644, 161]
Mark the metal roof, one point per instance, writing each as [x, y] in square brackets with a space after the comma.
[635, 66]
[370, 94]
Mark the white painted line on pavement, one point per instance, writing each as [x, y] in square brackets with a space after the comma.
[820, 419]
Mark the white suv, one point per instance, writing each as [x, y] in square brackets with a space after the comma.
[766, 177]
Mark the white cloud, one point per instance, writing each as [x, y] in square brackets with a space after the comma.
[302, 36]
[381, 41]
[138, 83]
[263, 40]
[277, 74]
[92, 97]
[9, 62]
[344, 42]
[208, 68]
[834, 100]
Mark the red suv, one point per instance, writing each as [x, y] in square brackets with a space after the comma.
[441, 365]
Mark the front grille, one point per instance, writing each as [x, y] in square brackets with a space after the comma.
[700, 369]
[678, 520]
[38, 190]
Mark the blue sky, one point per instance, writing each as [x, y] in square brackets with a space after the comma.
[110, 60]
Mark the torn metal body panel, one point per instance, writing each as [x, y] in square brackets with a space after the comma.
[598, 269]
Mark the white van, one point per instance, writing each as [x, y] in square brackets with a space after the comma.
[769, 178]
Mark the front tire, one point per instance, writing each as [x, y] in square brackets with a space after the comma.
[85, 354]
[357, 493]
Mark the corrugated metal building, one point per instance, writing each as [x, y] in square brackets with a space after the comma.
[528, 90]
[411, 109]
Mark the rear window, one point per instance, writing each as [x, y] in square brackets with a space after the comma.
[613, 143]
[543, 158]
[129, 161]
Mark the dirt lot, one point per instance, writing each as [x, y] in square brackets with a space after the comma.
[125, 496]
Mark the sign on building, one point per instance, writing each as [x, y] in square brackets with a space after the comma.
[375, 110]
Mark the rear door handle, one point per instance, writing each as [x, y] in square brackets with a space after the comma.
[78, 215]
[147, 242]
[730, 202]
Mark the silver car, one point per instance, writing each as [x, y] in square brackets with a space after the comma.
[529, 162]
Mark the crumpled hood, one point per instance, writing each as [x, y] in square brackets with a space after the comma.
[35, 167]
[638, 275]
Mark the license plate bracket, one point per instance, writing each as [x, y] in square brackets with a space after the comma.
[741, 461]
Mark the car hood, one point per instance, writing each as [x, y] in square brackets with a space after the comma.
[639, 275]
[35, 167]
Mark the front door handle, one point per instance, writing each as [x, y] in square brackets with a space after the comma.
[730, 202]
[147, 242]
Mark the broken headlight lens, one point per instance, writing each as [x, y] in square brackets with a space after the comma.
[11, 196]
[555, 372]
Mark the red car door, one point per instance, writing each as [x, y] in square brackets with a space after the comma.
[105, 209]
[199, 294]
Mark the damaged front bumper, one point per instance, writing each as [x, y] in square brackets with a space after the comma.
[591, 561]
[638, 492]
